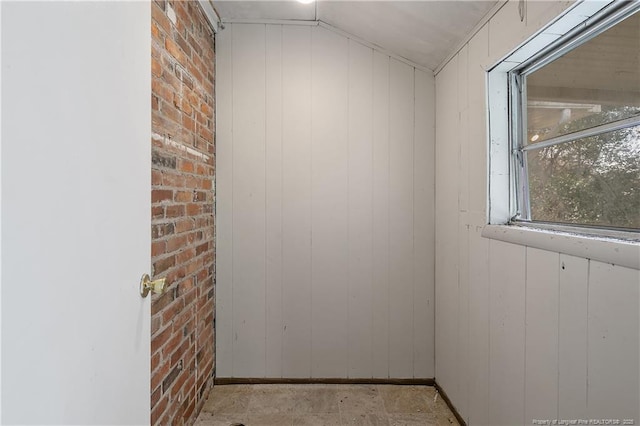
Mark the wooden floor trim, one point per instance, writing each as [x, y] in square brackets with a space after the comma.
[446, 399]
[328, 381]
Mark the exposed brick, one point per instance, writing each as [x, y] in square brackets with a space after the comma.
[174, 50]
[159, 409]
[156, 68]
[163, 264]
[171, 377]
[173, 343]
[158, 195]
[183, 44]
[157, 212]
[157, 14]
[187, 166]
[160, 160]
[182, 212]
[175, 211]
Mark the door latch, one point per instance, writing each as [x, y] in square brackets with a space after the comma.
[146, 285]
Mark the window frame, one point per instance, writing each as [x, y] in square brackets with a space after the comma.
[616, 247]
[519, 203]
[507, 114]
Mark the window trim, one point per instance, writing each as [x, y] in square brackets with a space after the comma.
[581, 22]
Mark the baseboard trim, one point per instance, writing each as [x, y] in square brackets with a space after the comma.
[322, 381]
[446, 399]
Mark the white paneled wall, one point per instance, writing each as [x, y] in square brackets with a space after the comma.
[325, 207]
[521, 333]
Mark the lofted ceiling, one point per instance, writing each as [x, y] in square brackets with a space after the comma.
[424, 32]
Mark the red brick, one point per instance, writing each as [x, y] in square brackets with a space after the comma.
[162, 265]
[158, 248]
[159, 409]
[187, 166]
[156, 68]
[185, 255]
[182, 213]
[183, 196]
[176, 243]
[160, 339]
[175, 211]
[194, 209]
[168, 349]
[158, 16]
[185, 224]
[174, 50]
[157, 212]
[158, 195]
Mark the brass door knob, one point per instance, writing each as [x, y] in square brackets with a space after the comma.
[146, 285]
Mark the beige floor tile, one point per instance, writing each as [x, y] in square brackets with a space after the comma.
[316, 420]
[412, 419]
[360, 399]
[293, 399]
[324, 405]
[228, 399]
[246, 420]
[360, 419]
[404, 399]
[267, 420]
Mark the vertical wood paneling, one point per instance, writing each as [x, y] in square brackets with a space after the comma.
[273, 202]
[541, 351]
[401, 129]
[507, 330]
[572, 338]
[446, 232]
[329, 178]
[360, 210]
[478, 412]
[478, 316]
[613, 347]
[381, 284]
[423, 231]
[506, 31]
[296, 208]
[477, 136]
[463, 232]
[510, 378]
[224, 210]
[326, 233]
[249, 199]
[463, 129]
[462, 336]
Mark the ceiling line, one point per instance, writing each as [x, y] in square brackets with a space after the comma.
[333, 29]
[485, 19]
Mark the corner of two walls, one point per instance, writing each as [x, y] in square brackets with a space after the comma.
[183, 162]
[521, 333]
[325, 207]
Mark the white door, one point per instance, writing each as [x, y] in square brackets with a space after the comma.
[76, 161]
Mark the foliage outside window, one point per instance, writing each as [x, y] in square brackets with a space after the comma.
[577, 136]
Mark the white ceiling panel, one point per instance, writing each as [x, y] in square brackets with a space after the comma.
[277, 10]
[422, 31]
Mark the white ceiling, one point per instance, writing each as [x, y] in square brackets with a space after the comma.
[424, 32]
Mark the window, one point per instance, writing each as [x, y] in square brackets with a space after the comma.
[575, 127]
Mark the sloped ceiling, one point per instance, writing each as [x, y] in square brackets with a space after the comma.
[424, 32]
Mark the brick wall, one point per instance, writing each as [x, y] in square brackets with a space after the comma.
[183, 155]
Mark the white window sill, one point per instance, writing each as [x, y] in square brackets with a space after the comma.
[620, 252]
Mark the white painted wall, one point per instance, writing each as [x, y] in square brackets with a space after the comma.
[325, 207]
[521, 333]
[76, 159]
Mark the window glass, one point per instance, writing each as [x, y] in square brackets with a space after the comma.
[596, 83]
[591, 181]
[590, 96]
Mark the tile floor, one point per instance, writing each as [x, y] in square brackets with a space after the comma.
[324, 405]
